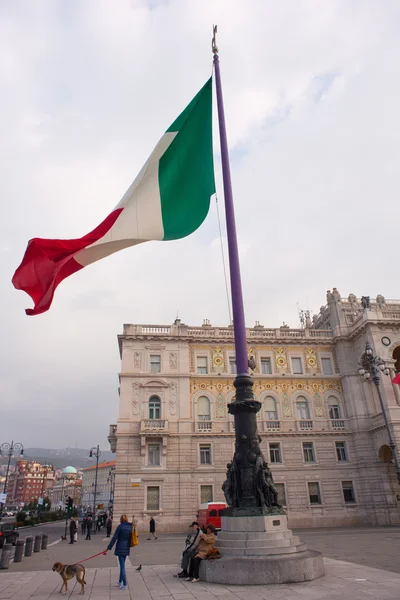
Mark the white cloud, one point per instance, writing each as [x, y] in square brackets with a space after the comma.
[86, 89]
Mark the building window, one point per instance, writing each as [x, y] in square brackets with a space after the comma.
[334, 412]
[155, 363]
[326, 365]
[266, 367]
[303, 411]
[153, 498]
[154, 455]
[275, 453]
[206, 494]
[202, 365]
[232, 365]
[203, 409]
[308, 452]
[271, 414]
[280, 488]
[314, 492]
[205, 454]
[341, 451]
[297, 367]
[154, 408]
[348, 492]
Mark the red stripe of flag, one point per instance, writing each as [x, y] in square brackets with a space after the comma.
[396, 379]
[47, 262]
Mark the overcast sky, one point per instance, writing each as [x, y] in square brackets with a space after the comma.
[87, 88]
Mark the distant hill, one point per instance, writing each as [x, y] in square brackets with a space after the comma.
[76, 457]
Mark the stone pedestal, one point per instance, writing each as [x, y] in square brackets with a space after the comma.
[260, 550]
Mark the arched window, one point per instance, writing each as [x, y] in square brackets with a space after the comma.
[302, 408]
[333, 407]
[203, 409]
[396, 356]
[271, 414]
[385, 454]
[154, 408]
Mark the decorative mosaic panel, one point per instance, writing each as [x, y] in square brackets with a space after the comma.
[280, 359]
[218, 359]
[311, 361]
[220, 407]
[286, 406]
[318, 406]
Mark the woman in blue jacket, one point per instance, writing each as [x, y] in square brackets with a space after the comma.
[122, 536]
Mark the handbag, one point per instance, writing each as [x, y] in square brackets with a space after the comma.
[134, 538]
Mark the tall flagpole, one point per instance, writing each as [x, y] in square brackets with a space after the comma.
[234, 265]
[249, 488]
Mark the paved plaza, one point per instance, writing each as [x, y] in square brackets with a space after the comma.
[354, 576]
[342, 580]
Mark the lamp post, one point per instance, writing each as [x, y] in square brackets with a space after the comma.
[111, 481]
[9, 450]
[370, 367]
[95, 451]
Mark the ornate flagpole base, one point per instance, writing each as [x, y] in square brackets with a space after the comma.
[260, 550]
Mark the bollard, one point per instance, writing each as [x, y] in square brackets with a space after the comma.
[28, 545]
[38, 543]
[19, 550]
[45, 538]
[5, 556]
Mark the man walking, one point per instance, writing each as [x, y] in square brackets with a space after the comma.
[191, 543]
[152, 530]
[72, 530]
[88, 527]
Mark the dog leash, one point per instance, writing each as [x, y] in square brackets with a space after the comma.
[90, 557]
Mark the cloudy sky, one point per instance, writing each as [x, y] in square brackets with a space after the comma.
[86, 89]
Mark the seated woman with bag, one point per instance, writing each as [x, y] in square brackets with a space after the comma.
[207, 542]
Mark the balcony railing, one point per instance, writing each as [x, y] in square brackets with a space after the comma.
[338, 424]
[272, 425]
[305, 425]
[154, 425]
[204, 426]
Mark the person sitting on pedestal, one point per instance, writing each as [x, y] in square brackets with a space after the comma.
[207, 542]
[191, 543]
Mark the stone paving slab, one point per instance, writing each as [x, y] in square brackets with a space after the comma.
[342, 581]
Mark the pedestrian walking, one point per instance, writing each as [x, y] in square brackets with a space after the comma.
[89, 523]
[72, 530]
[83, 525]
[152, 529]
[98, 522]
[109, 526]
[122, 538]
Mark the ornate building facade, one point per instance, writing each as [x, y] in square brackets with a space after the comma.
[321, 424]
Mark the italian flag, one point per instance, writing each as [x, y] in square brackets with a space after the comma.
[396, 379]
[168, 200]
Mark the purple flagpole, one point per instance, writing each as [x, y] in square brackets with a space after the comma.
[239, 326]
[248, 488]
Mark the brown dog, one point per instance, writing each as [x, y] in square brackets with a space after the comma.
[67, 572]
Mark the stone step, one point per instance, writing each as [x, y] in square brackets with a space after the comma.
[263, 551]
[254, 535]
[263, 543]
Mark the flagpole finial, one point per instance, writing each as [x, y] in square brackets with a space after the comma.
[214, 40]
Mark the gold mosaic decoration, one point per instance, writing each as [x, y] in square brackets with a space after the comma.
[318, 406]
[311, 361]
[218, 359]
[280, 359]
[224, 385]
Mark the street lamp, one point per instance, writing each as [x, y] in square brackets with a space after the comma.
[111, 481]
[95, 451]
[9, 450]
[370, 368]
